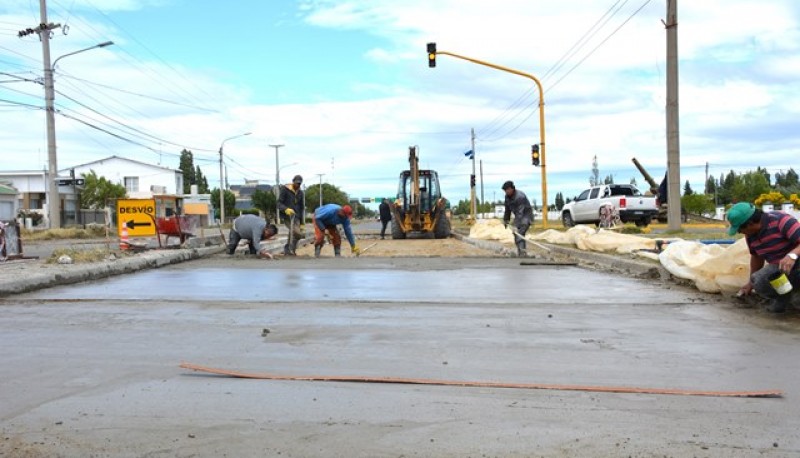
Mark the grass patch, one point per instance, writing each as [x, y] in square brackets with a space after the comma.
[79, 256]
[91, 232]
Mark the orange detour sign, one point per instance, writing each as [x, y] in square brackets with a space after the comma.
[138, 216]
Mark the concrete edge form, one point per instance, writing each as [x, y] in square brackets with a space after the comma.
[639, 269]
[76, 273]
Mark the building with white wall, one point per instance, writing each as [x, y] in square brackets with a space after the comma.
[141, 180]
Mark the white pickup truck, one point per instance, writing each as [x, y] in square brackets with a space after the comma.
[628, 201]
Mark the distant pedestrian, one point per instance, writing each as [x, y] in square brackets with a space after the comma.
[773, 238]
[254, 229]
[517, 203]
[386, 216]
[326, 218]
[291, 203]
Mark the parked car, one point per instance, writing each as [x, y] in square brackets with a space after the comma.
[631, 205]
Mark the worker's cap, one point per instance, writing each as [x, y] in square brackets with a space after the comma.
[348, 211]
[739, 214]
[508, 184]
[297, 179]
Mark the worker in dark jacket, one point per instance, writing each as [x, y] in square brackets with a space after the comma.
[291, 202]
[386, 216]
[254, 229]
[518, 204]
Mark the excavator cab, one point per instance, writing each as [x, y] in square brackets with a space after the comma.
[420, 207]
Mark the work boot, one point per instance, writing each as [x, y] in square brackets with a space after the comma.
[317, 250]
[337, 251]
[287, 251]
[778, 305]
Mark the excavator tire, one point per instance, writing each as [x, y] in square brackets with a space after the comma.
[442, 229]
[397, 231]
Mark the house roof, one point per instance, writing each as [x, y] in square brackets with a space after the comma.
[122, 159]
[7, 189]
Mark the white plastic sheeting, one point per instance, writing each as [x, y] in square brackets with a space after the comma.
[713, 268]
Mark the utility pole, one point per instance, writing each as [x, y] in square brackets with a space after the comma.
[472, 208]
[51, 186]
[277, 181]
[673, 137]
[482, 201]
[320, 175]
[705, 185]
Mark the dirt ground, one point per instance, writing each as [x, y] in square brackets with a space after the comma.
[401, 248]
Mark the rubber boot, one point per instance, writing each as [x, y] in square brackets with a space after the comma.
[778, 305]
[317, 250]
[287, 251]
[521, 252]
[337, 251]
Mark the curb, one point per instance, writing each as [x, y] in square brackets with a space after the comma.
[64, 275]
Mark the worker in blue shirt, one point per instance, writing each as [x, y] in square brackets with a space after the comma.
[326, 218]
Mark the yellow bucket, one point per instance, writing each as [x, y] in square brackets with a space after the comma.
[780, 283]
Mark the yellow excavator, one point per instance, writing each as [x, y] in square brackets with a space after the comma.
[420, 207]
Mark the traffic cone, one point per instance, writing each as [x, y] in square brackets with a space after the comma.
[123, 238]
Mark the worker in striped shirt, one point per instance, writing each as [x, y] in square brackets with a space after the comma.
[773, 238]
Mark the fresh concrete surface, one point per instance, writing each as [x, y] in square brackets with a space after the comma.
[92, 369]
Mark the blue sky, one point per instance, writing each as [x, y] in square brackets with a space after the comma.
[345, 86]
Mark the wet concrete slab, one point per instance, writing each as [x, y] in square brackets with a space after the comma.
[93, 369]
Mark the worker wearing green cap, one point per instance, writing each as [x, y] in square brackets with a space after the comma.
[773, 238]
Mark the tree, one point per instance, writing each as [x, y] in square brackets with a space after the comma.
[698, 204]
[330, 195]
[200, 180]
[559, 201]
[687, 189]
[266, 202]
[748, 186]
[633, 182]
[594, 178]
[187, 167]
[609, 179]
[98, 190]
[230, 202]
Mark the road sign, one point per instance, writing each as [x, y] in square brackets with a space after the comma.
[71, 181]
[138, 215]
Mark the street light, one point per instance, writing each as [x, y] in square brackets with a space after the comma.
[53, 200]
[221, 186]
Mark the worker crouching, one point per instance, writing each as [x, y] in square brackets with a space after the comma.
[254, 229]
[325, 220]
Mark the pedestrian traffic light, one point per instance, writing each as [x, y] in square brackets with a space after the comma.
[535, 154]
[431, 55]
[472, 180]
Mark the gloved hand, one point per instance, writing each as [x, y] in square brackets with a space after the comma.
[355, 250]
[303, 228]
[289, 212]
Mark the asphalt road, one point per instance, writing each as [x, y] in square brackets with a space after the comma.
[92, 369]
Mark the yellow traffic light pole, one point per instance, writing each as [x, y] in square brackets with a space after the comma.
[432, 56]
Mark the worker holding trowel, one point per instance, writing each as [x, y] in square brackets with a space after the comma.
[254, 229]
[325, 219]
[291, 202]
[772, 238]
[517, 203]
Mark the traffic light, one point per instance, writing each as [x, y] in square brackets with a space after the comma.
[535, 154]
[431, 55]
[472, 180]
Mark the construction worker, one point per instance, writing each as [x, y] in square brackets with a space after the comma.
[325, 219]
[773, 239]
[517, 203]
[291, 203]
[254, 229]
[386, 216]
